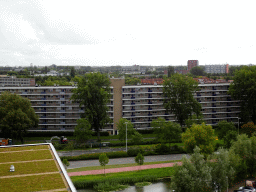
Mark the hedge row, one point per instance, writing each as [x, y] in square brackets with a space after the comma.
[85, 184]
[58, 133]
[111, 155]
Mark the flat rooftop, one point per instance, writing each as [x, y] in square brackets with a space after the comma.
[37, 168]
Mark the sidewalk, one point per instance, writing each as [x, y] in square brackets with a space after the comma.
[123, 169]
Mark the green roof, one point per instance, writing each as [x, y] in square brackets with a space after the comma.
[37, 168]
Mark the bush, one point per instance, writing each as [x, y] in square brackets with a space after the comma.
[134, 151]
[103, 133]
[162, 149]
[146, 131]
[115, 154]
[49, 133]
[119, 180]
[58, 133]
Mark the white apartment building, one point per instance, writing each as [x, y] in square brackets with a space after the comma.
[140, 104]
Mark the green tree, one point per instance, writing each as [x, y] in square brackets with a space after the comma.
[243, 88]
[222, 170]
[201, 136]
[16, 116]
[224, 127]
[72, 72]
[248, 128]
[121, 126]
[139, 159]
[167, 131]
[82, 131]
[132, 81]
[103, 159]
[193, 175]
[245, 150]
[93, 95]
[170, 71]
[194, 120]
[137, 138]
[65, 163]
[229, 138]
[178, 90]
[197, 71]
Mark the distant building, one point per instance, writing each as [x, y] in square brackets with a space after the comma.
[192, 63]
[217, 68]
[12, 81]
[157, 81]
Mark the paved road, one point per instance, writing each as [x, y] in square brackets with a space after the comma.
[88, 163]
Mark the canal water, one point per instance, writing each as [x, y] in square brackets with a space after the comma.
[154, 187]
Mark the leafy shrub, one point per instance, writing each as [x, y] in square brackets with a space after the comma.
[146, 131]
[58, 146]
[162, 149]
[134, 151]
[248, 128]
[114, 154]
[49, 133]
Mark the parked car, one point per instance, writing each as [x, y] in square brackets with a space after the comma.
[245, 189]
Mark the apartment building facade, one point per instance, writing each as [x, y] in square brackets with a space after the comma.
[139, 103]
[12, 81]
[217, 68]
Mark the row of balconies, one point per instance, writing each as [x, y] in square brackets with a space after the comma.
[144, 107]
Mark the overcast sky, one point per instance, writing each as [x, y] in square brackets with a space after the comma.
[117, 32]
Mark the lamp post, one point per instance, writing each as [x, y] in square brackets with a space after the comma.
[126, 134]
[238, 124]
[227, 184]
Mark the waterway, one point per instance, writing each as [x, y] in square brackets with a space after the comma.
[155, 187]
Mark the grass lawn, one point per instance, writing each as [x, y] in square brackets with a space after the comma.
[158, 172]
[116, 166]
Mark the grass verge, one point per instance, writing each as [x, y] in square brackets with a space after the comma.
[117, 166]
[122, 178]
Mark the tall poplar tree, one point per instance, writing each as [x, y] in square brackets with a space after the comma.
[178, 92]
[93, 95]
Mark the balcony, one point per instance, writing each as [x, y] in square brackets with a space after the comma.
[149, 102]
[149, 108]
[149, 96]
[132, 103]
[132, 97]
[43, 110]
[43, 104]
[149, 90]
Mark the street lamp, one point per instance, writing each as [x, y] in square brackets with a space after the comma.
[227, 184]
[238, 124]
[126, 134]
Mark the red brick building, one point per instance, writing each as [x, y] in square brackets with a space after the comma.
[192, 63]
